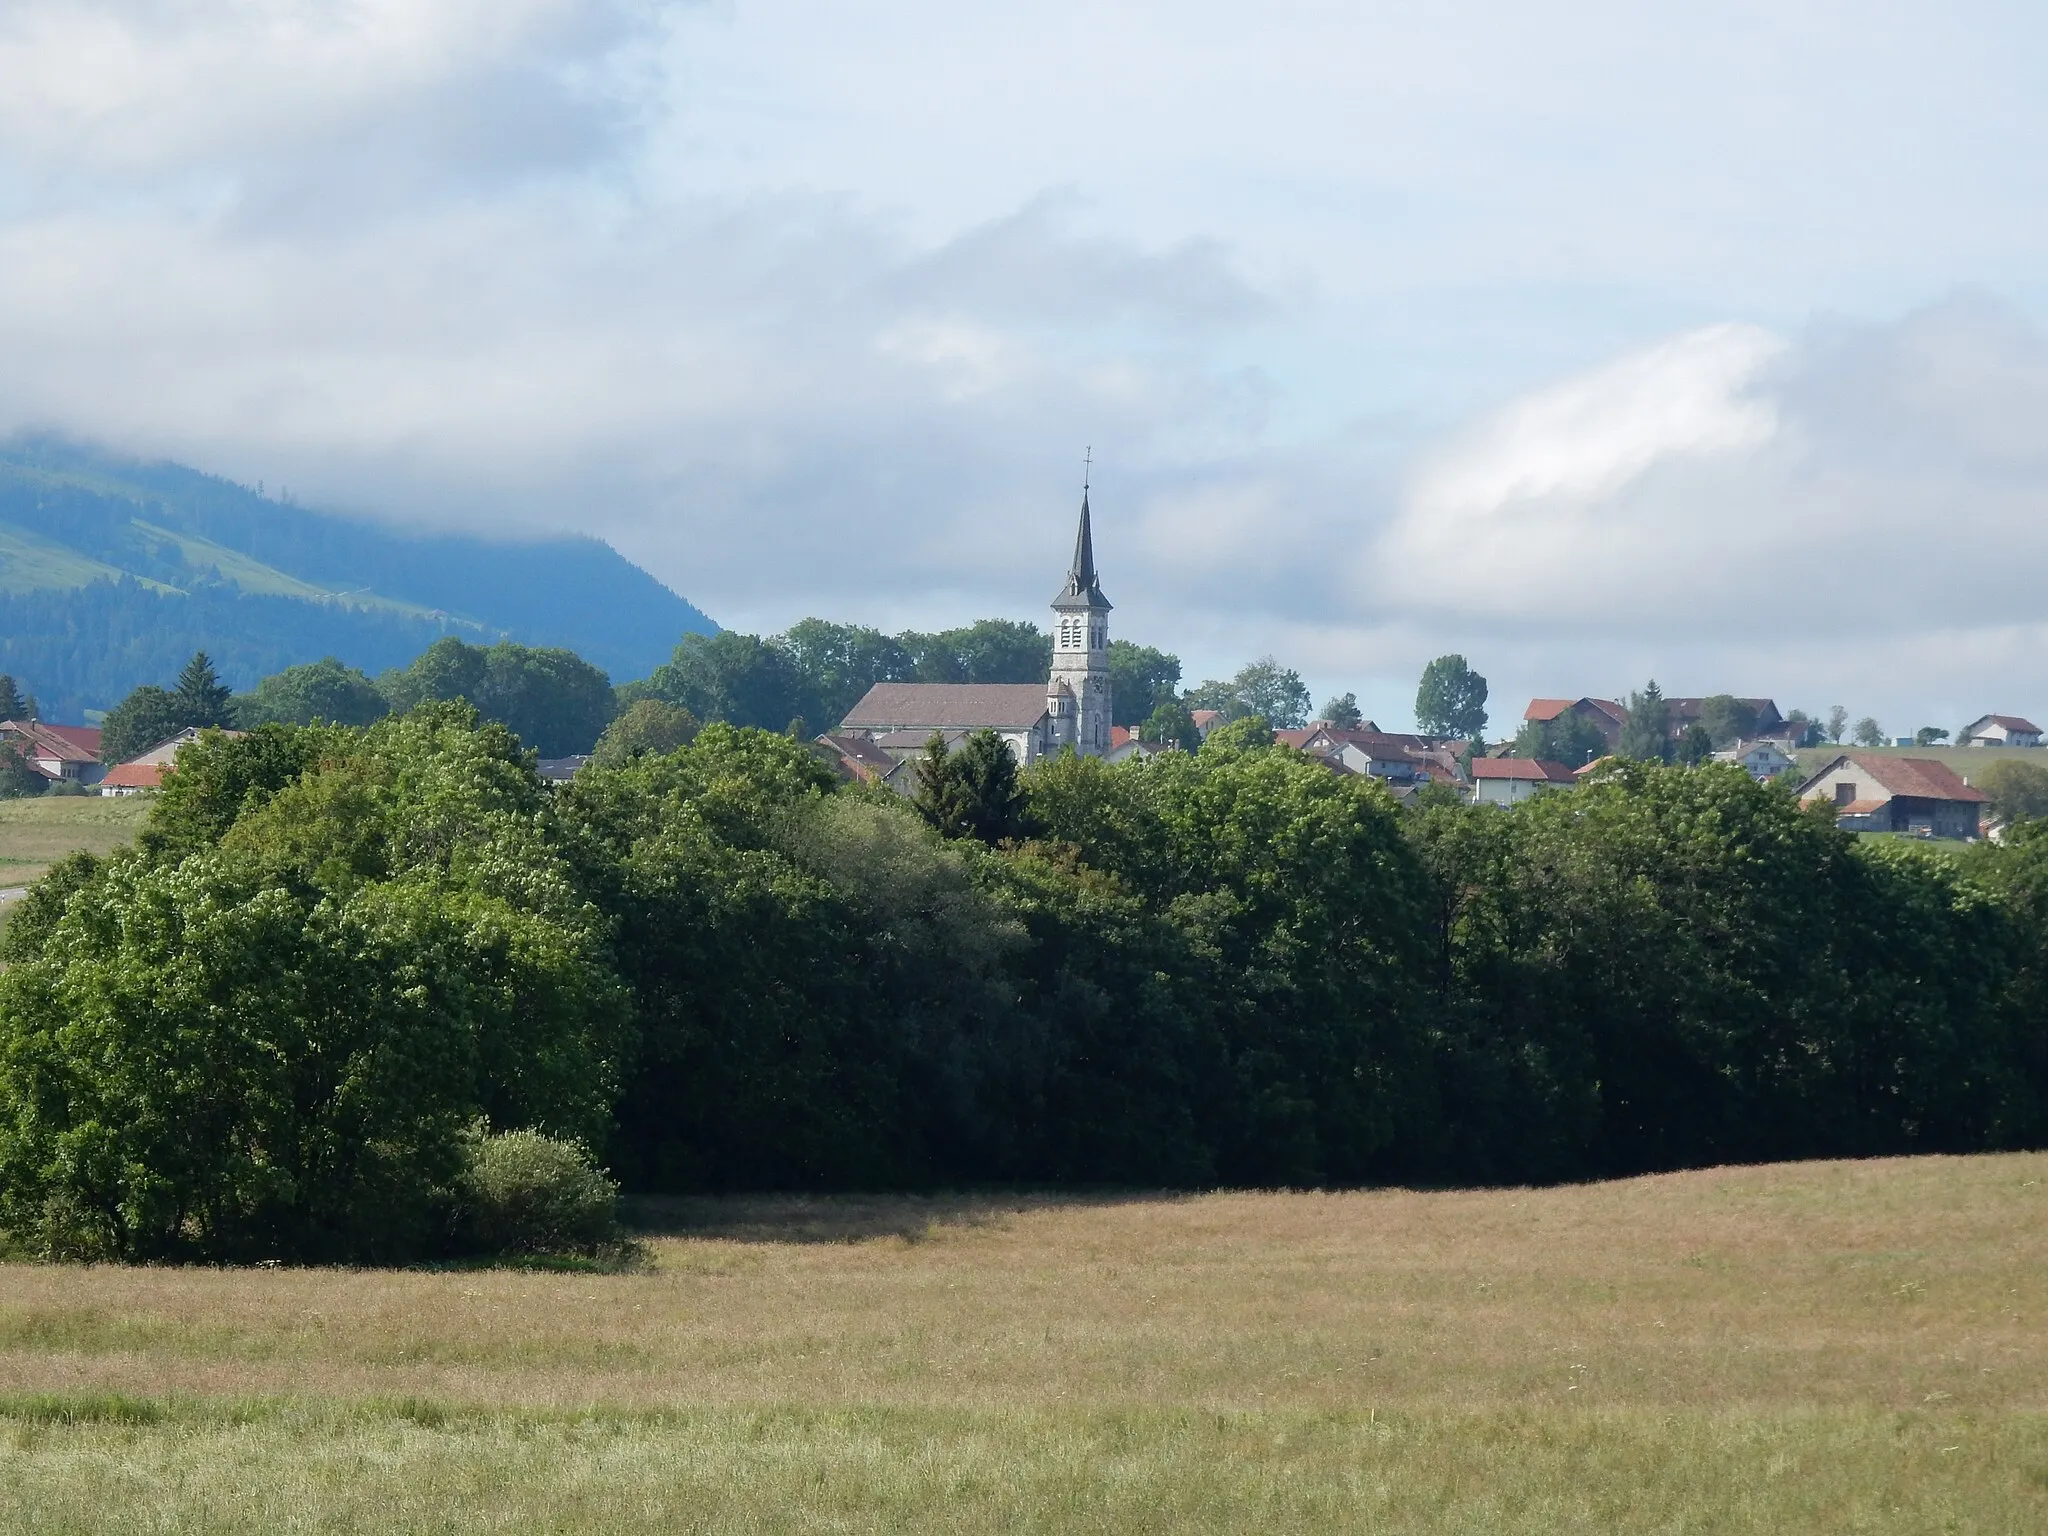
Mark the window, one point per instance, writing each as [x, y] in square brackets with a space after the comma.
[1844, 793]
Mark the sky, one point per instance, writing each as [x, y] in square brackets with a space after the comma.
[1595, 341]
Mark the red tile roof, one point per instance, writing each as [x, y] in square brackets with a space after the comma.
[1549, 709]
[134, 776]
[58, 741]
[1527, 769]
[2012, 723]
[1920, 778]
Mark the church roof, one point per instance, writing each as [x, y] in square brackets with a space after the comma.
[1082, 590]
[948, 706]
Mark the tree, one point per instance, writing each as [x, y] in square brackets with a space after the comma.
[737, 678]
[1727, 719]
[18, 777]
[1343, 712]
[1451, 699]
[323, 690]
[553, 700]
[1838, 721]
[1694, 746]
[12, 706]
[986, 651]
[202, 699]
[1140, 680]
[646, 726]
[1171, 725]
[838, 663]
[1868, 733]
[1646, 733]
[1806, 731]
[147, 716]
[973, 792]
[1264, 688]
[2018, 789]
[1929, 735]
[1565, 738]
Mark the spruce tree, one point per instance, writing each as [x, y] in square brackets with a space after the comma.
[202, 697]
[11, 705]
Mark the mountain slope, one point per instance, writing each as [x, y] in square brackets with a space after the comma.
[112, 572]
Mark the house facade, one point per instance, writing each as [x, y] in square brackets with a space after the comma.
[56, 751]
[1912, 796]
[1760, 757]
[1999, 731]
[146, 770]
[1511, 780]
[1035, 720]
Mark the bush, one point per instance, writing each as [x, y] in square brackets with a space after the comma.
[525, 1193]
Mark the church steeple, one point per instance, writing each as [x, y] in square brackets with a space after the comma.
[1082, 589]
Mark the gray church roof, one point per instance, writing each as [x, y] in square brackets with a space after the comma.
[948, 706]
[1082, 590]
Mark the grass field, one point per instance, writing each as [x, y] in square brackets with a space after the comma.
[1826, 1347]
[34, 833]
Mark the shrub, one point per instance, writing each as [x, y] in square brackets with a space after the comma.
[525, 1193]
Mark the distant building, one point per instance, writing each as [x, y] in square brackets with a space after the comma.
[146, 770]
[1511, 780]
[560, 770]
[1760, 756]
[1206, 720]
[1604, 715]
[1070, 709]
[1687, 712]
[56, 751]
[1400, 760]
[1915, 796]
[2000, 731]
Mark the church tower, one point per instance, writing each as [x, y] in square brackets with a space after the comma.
[1077, 696]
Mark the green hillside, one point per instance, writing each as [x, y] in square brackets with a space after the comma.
[112, 572]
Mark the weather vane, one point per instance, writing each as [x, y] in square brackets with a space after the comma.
[1087, 464]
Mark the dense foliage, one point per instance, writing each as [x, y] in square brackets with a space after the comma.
[275, 1026]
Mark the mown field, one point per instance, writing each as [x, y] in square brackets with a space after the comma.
[35, 833]
[1821, 1347]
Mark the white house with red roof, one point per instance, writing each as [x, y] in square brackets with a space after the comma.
[1999, 731]
[1511, 780]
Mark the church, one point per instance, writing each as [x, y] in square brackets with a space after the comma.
[889, 727]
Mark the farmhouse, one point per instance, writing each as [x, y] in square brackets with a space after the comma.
[1912, 795]
[146, 770]
[56, 751]
[1999, 731]
[1761, 756]
[1070, 709]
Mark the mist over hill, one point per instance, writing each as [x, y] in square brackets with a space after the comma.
[112, 572]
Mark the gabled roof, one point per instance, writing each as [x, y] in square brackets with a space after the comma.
[2008, 722]
[134, 776]
[948, 706]
[1919, 778]
[166, 751]
[1524, 769]
[858, 756]
[1541, 710]
[1203, 717]
[66, 743]
[1297, 738]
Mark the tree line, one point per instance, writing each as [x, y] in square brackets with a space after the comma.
[338, 960]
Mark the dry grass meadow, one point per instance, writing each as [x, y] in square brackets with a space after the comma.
[36, 832]
[1822, 1347]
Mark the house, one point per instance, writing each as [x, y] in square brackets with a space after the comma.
[1760, 756]
[1916, 796]
[560, 770]
[1511, 780]
[1035, 720]
[1400, 759]
[146, 770]
[56, 751]
[1604, 715]
[1999, 731]
[1206, 720]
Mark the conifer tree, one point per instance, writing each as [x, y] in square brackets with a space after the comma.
[202, 697]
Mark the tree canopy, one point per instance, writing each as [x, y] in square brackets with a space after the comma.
[1451, 699]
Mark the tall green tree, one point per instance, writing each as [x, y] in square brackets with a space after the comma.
[1646, 732]
[18, 777]
[1566, 738]
[1727, 719]
[202, 699]
[1868, 733]
[1694, 746]
[986, 651]
[147, 716]
[1838, 722]
[553, 700]
[645, 726]
[323, 690]
[839, 662]
[972, 791]
[12, 706]
[1171, 725]
[1451, 699]
[1141, 678]
[1343, 712]
[740, 679]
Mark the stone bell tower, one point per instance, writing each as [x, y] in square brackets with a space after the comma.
[1077, 695]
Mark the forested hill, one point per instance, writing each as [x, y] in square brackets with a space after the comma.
[112, 573]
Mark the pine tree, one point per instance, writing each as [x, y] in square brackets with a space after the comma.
[11, 705]
[202, 697]
[1646, 733]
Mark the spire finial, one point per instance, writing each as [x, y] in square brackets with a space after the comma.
[1087, 465]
